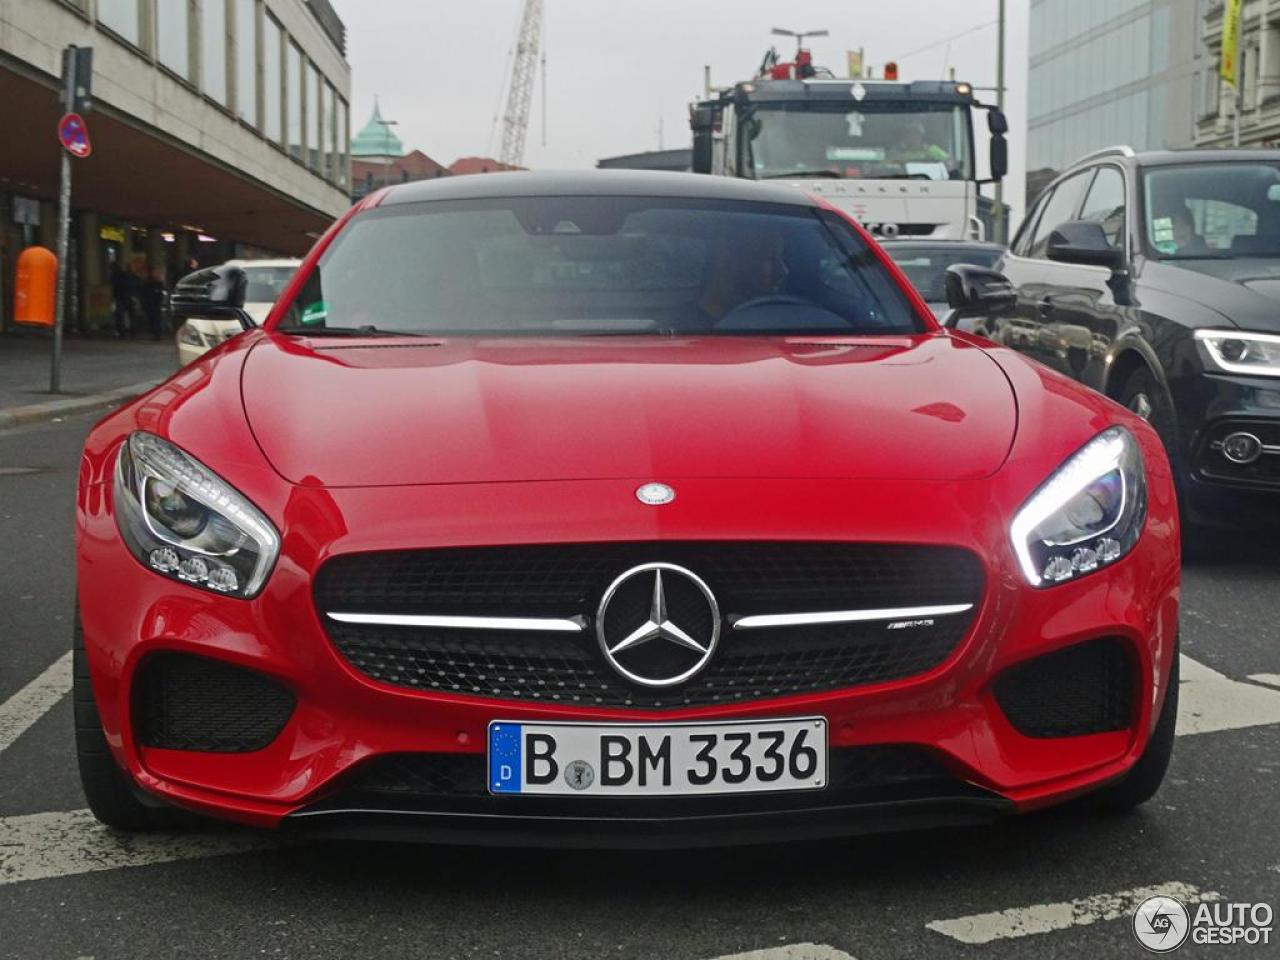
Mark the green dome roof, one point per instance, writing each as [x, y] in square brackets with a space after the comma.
[377, 139]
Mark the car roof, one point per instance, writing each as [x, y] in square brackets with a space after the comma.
[593, 183]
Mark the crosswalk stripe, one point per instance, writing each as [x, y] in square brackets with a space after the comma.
[34, 700]
[1270, 679]
[792, 951]
[1047, 917]
[40, 846]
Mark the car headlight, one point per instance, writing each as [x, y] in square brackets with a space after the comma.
[182, 521]
[1087, 515]
[190, 336]
[1236, 351]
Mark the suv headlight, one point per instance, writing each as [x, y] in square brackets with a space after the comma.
[189, 335]
[1087, 515]
[1236, 351]
[182, 521]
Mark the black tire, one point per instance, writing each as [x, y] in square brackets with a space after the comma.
[1141, 783]
[108, 789]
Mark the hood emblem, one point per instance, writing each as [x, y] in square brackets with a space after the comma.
[658, 624]
[655, 494]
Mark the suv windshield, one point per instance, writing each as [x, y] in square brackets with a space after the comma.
[870, 141]
[600, 265]
[1213, 210]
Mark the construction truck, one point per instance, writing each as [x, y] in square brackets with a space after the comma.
[899, 157]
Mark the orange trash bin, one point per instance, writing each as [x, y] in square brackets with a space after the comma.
[36, 287]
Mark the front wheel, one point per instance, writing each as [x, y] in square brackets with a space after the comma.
[1141, 783]
[107, 788]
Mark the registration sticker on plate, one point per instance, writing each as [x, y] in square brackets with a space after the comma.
[657, 759]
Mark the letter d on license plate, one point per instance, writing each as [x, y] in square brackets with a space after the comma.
[657, 759]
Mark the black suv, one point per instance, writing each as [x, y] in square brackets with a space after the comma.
[1155, 278]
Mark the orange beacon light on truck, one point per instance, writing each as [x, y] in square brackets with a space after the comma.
[35, 291]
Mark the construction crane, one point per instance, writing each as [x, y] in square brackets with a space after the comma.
[524, 69]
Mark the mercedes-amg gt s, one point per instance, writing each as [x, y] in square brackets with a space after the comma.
[619, 509]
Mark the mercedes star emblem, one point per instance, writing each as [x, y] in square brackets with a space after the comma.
[658, 624]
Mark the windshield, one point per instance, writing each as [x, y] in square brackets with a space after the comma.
[1213, 210]
[600, 265]
[926, 267]
[924, 141]
[265, 283]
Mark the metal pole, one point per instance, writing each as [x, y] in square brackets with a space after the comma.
[1235, 118]
[706, 82]
[1000, 230]
[64, 229]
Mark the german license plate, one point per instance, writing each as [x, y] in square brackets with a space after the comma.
[657, 759]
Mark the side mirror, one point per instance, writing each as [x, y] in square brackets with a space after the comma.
[978, 292]
[999, 156]
[1083, 242]
[702, 121]
[216, 293]
[997, 122]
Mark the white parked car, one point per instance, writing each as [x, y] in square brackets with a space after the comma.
[265, 279]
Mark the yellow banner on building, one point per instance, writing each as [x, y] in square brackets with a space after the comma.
[1230, 40]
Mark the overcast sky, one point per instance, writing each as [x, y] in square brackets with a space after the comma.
[617, 69]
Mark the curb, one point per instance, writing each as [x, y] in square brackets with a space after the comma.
[40, 412]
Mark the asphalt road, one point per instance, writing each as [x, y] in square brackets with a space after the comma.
[1067, 880]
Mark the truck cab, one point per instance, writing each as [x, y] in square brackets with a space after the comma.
[899, 157]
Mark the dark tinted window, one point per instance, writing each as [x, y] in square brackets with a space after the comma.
[1105, 204]
[1060, 208]
[599, 265]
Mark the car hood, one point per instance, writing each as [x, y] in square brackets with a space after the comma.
[1245, 290]
[334, 412]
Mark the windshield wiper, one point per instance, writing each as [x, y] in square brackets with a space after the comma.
[801, 174]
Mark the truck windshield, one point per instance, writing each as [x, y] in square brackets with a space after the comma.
[595, 266]
[866, 141]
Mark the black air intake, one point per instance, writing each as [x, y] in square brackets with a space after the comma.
[185, 702]
[1086, 688]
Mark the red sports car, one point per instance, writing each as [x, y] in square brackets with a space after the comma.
[616, 509]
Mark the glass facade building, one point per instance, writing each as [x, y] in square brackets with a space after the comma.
[1105, 72]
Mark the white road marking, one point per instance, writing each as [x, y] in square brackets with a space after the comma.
[792, 951]
[1046, 917]
[40, 846]
[34, 700]
[1209, 701]
[1270, 679]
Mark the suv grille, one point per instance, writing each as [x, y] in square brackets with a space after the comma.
[568, 580]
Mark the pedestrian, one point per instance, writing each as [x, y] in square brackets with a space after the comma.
[123, 285]
[153, 301]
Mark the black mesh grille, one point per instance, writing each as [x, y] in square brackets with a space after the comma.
[184, 702]
[1086, 688]
[428, 776]
[568, 580]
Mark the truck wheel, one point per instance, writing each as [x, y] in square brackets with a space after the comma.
[107, 788]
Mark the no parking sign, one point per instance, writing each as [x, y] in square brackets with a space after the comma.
[73, 133]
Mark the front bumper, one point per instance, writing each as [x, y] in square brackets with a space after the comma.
[343, 721]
